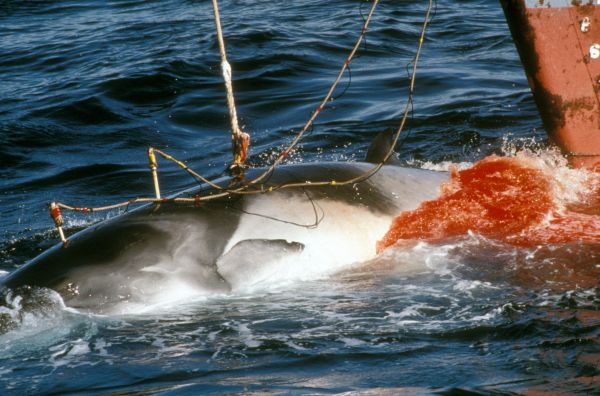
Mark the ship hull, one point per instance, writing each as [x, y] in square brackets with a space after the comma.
[559, 45]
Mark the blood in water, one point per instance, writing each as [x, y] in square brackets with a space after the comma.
[505, 199]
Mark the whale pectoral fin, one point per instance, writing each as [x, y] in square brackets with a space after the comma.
[253, 260]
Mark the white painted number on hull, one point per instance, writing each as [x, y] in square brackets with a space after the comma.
[595, 51]
[585, 24]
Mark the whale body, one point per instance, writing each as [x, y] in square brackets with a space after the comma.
[160, 252]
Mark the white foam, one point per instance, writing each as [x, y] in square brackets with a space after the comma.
[246, 336]
[80, 220]
[471, 285]
[352, 342]
[416, 257]
[408, 312]
[295, 346]
[486, 317]
[100, 346]
[66, 353]
[443, 166]
[568, 185]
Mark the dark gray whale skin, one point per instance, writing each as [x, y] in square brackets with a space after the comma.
[118, 259]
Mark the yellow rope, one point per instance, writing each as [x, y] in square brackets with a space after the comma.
[187, 169]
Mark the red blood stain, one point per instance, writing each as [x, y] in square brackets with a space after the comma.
[505, 199]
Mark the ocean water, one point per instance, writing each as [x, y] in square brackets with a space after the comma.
[87, 86]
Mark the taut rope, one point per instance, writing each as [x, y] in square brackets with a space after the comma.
[240, 140]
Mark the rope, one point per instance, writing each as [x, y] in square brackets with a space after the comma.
[197, 176]
[368, 174]
[324, 101]
[318, 217]
[253, 186]
[239, 139]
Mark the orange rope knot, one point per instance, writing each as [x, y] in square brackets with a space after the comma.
[56, 215]
[241, 142]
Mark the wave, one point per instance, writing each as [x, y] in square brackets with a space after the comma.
[88, 111]
[27, 305]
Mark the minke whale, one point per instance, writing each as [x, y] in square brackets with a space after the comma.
[163, 252]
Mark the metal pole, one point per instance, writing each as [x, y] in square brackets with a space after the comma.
[153, 168]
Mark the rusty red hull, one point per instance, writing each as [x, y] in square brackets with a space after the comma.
[559, 45]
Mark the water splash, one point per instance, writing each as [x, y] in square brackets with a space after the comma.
[525, 200]
[28, 306]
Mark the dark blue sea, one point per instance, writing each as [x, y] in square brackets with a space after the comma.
[88, 85]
